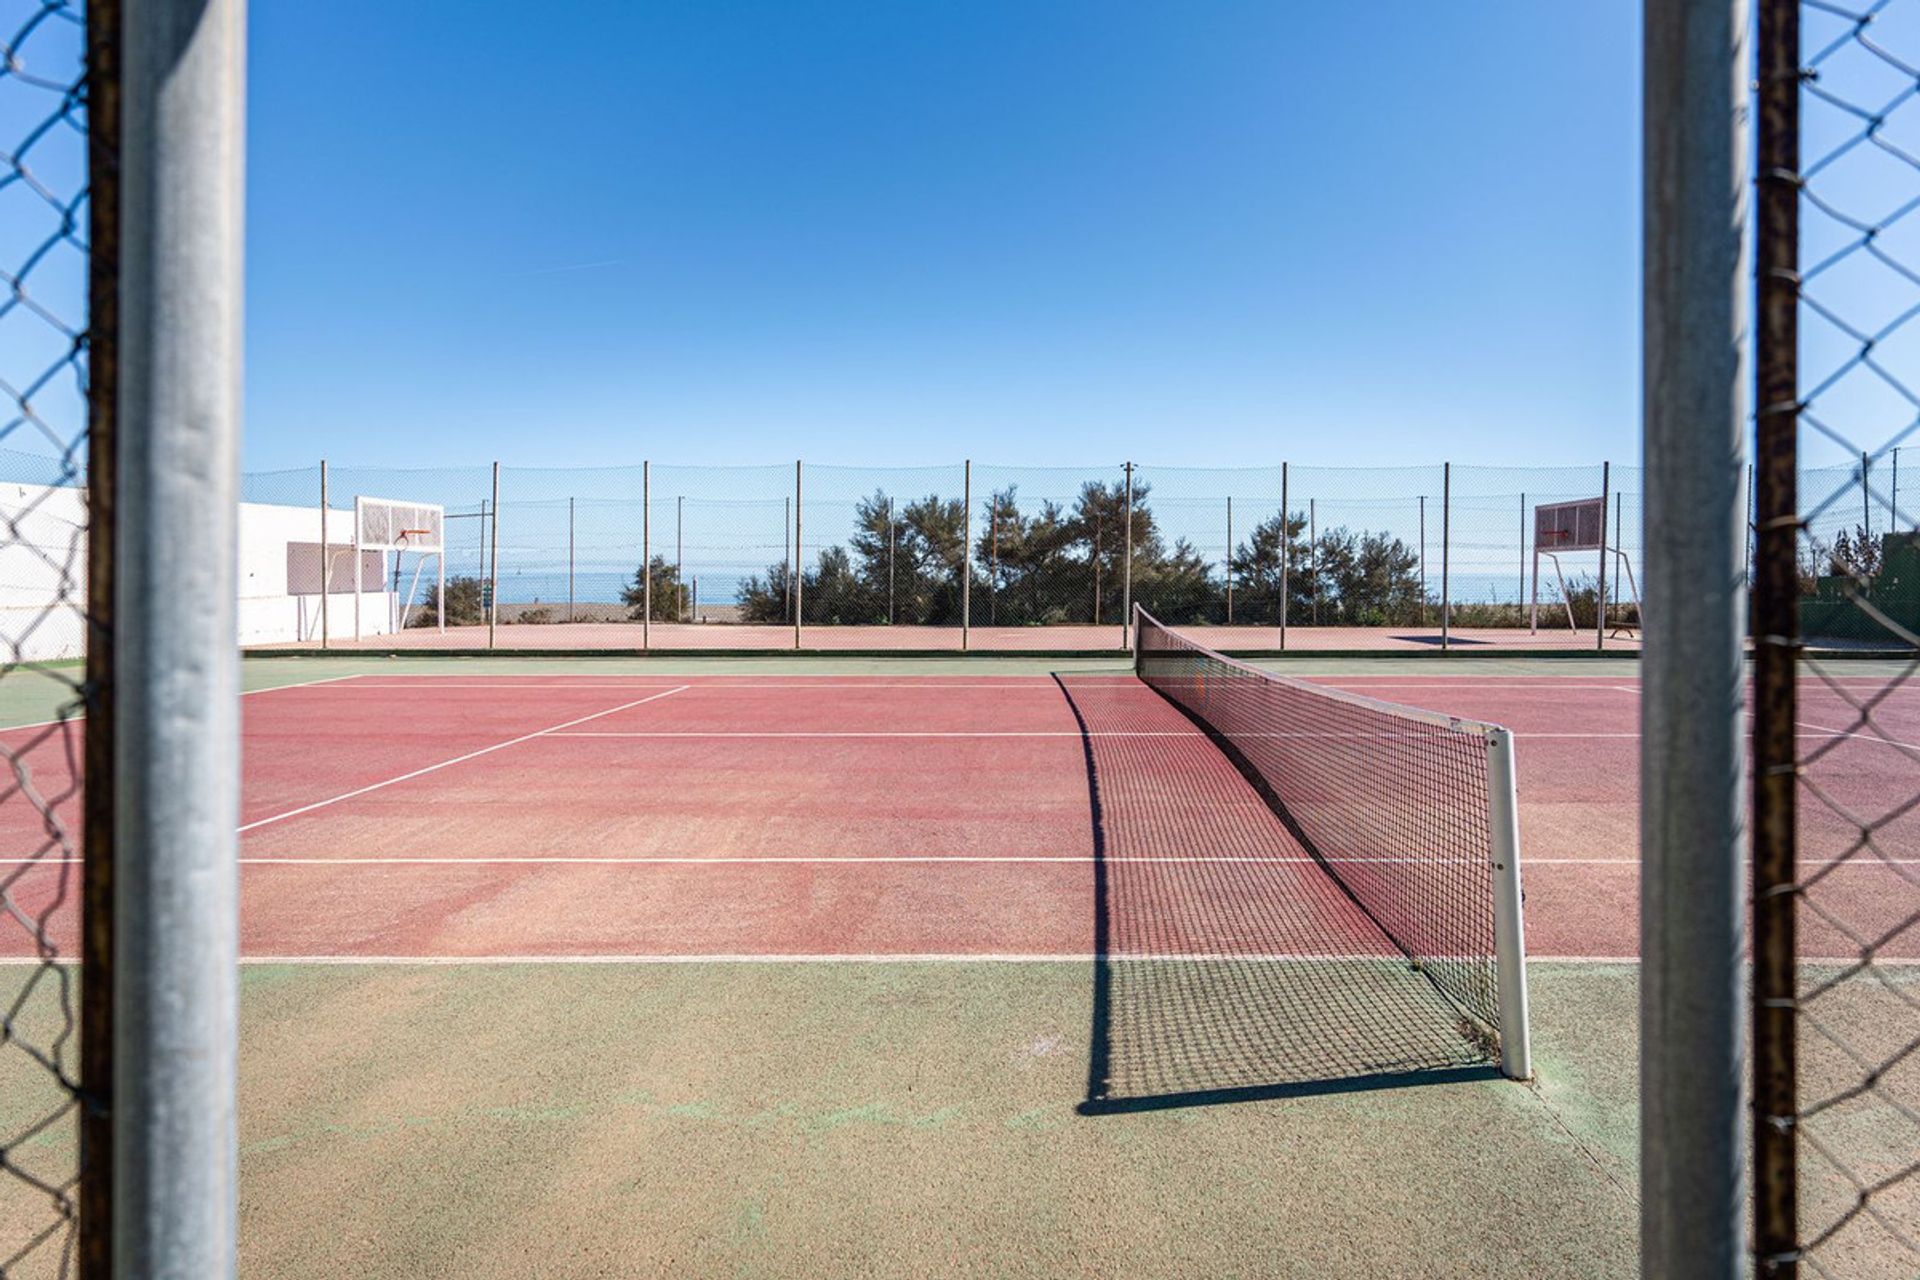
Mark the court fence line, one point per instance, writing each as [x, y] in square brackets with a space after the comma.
[974, 555]
[60, 184]
[1833, 1047]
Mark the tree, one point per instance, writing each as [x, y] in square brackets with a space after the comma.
[465, 604]
[1256, 571]
[1373, 578]
[1358, 579]
[832, 593]
[668, 605]
[1025, 563]
[1855, 555]
[769, 599]
[1177, 584]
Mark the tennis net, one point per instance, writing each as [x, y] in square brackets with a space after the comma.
[1411, 812]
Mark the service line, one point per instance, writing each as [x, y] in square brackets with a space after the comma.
[471, 755]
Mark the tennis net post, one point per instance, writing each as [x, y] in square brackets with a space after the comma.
[1509, 929]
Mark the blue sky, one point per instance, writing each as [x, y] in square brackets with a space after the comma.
[710, 231]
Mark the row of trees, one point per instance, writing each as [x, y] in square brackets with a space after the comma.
[1063, 563]
[1059, 563]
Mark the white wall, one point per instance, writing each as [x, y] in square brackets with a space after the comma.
[269, 612]
[43, 572]
[43, 575]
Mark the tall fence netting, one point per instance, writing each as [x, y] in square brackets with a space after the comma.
[45, 695]
[1837, 743]
[965, 554]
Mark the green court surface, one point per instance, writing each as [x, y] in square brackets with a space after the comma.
[743, 1119]
[860, 1119]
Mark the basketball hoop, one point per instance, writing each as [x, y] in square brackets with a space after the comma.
[392, 527]
[1579, 525]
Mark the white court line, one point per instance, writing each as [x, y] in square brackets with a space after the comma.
[1010, 684]
[1360, 682]
[1145, 859]
[1850, 733]
[271, 688]
[904, 958]
[1530, 862]
[893, 733]
[498, 746]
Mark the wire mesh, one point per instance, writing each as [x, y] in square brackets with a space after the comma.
[1229, 967]
[1394, 804]
[902, 557]
[45, 695]
[1837, 783]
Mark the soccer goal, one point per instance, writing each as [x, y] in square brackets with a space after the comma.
[401, 529]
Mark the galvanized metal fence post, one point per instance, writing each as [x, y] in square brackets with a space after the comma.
[1521, 598]
[1866, 496]
[1423, 559]
[993, 563]
[1229, 559]
[93, 1239]
[1126, 570]
[646, 554]
[1286, 554]
[1619, 543]
[1446, 556]
[1693, 283]
[177, 712]
[1600, 590]
[326, 557]
[1776, 659]
[1313, 561]
[493, 573]
[966, 551]
[680, 557]
[569, 559]
[799, 558]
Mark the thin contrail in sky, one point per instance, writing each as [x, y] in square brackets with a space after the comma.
[572, 266]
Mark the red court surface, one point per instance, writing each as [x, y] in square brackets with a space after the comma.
[594, 816]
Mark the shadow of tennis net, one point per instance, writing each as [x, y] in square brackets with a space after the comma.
[1230, 966]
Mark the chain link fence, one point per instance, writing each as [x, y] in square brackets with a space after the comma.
[961, 556]
[1837, 771]
[48, 1115]
[791, 555]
